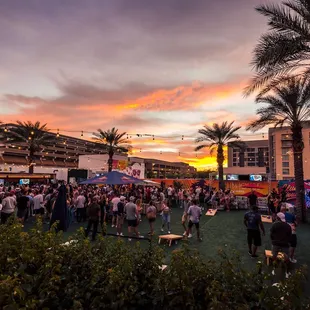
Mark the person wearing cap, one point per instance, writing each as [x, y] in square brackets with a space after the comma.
[280, 235]
[131, 211]
[120, 215]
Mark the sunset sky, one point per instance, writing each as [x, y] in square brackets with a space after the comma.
[161, 68]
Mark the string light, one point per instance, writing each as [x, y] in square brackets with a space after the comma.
[32, 132]
[5, 129]
[82, 134]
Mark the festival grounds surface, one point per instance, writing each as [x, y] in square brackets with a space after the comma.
[223, 231]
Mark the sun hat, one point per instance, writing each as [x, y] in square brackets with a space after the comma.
[281, 216]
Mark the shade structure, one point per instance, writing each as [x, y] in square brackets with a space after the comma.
[113, 178]
[150, 183]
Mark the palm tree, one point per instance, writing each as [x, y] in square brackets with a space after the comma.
[288, 103]
[35, 135]
[285, 48]
[217, 137]
[113, 141]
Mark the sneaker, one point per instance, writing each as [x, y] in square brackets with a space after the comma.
[121, 234]
[129, 239]
[254, 255]
[250, 253]
[117, 234]
[141, 237]
[293, 260]
[112, 226]
[273, 272]
[162, 229]
[190, 236]
[169, 232]
[184, 234]
[287, 275]
[200, 239]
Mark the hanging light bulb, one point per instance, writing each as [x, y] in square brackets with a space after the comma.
[182, 137]
[5, 129]
[82, 134]
[140, 150]
[153, 138]
[32, 132]
[57, 135]
[29, 138]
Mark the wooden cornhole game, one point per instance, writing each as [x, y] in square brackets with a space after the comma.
[211, 212]
[266, 219]
[268, 255]
[170, 238]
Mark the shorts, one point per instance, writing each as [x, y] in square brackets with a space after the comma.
[152, 220]
[254, 237]
[39, 211]
[21, 213]
[115, 213]
[191, 224]
[276, 249]
[132, 223]
[293, 241]
[184, 218]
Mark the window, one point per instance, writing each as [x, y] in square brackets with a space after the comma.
[285, 150]
[286, 143]
[286, 137]
[251, 164]
[234, 164]
[285, 157]
[285, 171]
[234, 155]
[286, 164]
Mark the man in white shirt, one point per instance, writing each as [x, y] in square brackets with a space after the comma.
[38, 203]
[115, 202]
[8, 207]
[80, 207]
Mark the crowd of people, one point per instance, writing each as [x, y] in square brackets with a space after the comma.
[112, 205]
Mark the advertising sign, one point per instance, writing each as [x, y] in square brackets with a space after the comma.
[290, 189]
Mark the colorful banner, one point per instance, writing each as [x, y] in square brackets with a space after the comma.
[290, 189]
[187, 183]
[244, 188]
[135, 170]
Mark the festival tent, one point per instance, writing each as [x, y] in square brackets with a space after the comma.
[113, 178]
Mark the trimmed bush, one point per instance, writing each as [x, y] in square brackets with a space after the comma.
[39, 271]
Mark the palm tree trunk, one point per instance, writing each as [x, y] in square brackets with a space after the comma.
[299, 172]
[110, 161]
[31, 161]
[220, 161]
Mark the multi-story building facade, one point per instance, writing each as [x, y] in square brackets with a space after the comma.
[281, 152]
[63, 152]
[161, 169]
[255, 154]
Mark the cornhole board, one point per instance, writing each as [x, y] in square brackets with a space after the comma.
[266, 219]
[170, 238]
[269, 255]
[211, 212]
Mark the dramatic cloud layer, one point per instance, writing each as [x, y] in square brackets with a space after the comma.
[161, 68]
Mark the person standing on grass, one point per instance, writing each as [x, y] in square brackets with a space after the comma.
[38, 203]
[120, 215]
[281, 235]
[151, 216]
[22, 206]
[186, 203]
[80, 207]
[252, 199]
[165, 217]
[93, 218]
[115, 202]
[291, 220]
[253, 223]
[132, 216]
[194, 212]
[8, 207]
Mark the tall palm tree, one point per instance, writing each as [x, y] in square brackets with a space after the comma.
[113, 141]
[285, 48]
[217, 137]
[288, 103]
[35, 135]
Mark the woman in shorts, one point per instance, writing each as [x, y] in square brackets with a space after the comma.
[165, 217]
[151, 216]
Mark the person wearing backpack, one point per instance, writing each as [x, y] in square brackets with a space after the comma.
[151, 216]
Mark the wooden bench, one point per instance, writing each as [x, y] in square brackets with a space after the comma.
[170, 238]
[269, 256]
[211, 212]
[266, 219]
